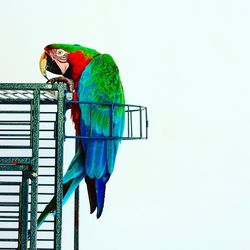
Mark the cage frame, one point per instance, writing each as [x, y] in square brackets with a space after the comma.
[32, 162]
[30, 166]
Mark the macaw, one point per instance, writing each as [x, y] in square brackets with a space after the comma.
[91, 77]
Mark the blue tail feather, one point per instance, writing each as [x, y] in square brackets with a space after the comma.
[100, 195]
[100, 188]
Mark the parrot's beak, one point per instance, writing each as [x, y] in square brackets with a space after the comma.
[43, 65]
[48, 64]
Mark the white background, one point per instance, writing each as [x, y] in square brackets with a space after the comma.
[188, 186]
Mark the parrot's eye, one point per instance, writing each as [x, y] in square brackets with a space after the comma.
[60, 52]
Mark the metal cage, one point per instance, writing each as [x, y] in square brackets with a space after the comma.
[32, 135]
[31, 164]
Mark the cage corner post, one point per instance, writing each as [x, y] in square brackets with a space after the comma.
[76, 211]
[35, 165]
[60, 119]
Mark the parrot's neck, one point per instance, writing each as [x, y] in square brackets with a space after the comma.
[78, 61]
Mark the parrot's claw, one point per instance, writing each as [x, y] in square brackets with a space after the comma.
[63, 79]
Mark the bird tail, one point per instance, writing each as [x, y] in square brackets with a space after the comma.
[96, 192]
[100, 187]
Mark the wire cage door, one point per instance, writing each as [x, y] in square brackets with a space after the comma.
[14, 207]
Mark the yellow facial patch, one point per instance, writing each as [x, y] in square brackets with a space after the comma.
[43, 64]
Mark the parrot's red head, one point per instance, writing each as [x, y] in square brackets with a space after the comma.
[65, 59]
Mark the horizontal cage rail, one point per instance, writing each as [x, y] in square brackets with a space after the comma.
[135, 120]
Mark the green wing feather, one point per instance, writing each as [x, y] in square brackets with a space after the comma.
[100, 82]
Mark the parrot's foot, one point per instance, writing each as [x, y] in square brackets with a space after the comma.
[63, 79]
